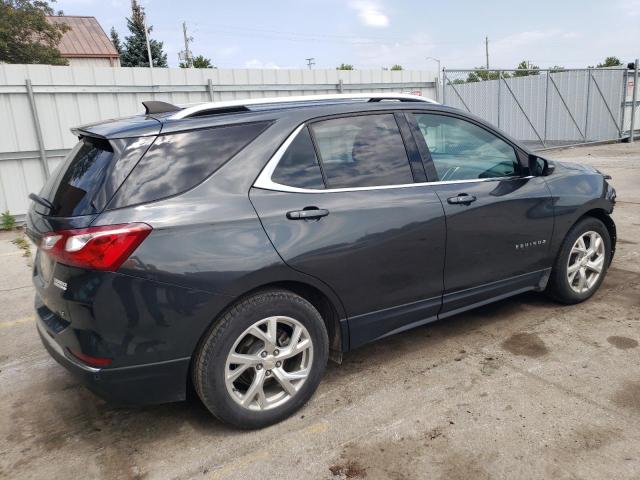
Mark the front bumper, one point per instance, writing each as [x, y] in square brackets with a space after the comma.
[159, 382]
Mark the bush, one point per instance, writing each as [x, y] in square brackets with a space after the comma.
[7, 220]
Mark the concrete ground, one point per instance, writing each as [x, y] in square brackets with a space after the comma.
[524, 388]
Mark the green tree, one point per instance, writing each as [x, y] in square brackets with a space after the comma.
[345, 66]
[610, 62]
[480, 74]
[25, 34]
[525, 69]
[115, 39]
[396, 67]
[199, 62]
[134, 51]
[556, 69]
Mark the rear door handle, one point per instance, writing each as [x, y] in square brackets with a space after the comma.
[308, 213]
[462, 198]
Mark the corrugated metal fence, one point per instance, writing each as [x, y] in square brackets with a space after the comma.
[547, 108]
[40, 103]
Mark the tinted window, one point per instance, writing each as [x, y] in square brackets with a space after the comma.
[90, 175]
[362, 151]
[463, 151]
[73, 189]
[177, 162]
[299, 167]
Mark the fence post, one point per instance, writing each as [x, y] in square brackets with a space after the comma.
[36, 125]
[210, 89]
[623, 103]
[437, 84]
[586, 116]
[340, 86]
[499, 82]
[634, 99]
[546, 108]
[444, 87]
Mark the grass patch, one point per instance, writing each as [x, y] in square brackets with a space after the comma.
[23, 245]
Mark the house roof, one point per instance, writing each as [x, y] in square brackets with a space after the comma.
[84, 39]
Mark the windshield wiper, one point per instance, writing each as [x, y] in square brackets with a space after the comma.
[42, 201]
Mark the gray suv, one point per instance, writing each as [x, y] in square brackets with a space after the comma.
[235, 247]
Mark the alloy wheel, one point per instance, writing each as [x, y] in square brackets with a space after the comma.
[269, 363]
[586, 261]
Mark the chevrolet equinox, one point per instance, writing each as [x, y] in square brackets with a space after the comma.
[236, 246]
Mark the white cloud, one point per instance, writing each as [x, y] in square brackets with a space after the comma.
[255, 63]
[630, 7]
[410, 53]
[370, 13]
[226, 52]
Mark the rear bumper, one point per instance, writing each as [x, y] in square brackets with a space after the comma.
[159, 382]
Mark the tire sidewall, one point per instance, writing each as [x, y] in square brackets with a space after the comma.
[261, 306]
[561, 283]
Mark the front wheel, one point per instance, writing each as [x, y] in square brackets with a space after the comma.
[262, 360]
[582, 262]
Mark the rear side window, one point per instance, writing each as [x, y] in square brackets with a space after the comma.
[299, 166]
[73, 190]
[362, 151]
[177, 162]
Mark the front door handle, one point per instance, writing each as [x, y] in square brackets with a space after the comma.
[309, 213]
[461, 199]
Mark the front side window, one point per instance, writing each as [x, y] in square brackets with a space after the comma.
[362, 151]
[461, 150]
[299, 166]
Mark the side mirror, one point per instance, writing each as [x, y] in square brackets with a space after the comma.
[539, 166]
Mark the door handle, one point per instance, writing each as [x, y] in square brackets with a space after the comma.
[308, 213]
[461, 199]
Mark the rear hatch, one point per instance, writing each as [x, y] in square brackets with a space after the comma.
[85, 182]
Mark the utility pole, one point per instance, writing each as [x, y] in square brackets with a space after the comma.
[310, 62]
[486, 49]
[186, 54]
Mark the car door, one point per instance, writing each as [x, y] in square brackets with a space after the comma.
[499, 219]
[339, 202]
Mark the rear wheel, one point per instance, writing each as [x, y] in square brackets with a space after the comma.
[582, 262]
[262, 360]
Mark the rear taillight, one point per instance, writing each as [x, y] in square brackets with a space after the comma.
[91, 361]
[98, 248]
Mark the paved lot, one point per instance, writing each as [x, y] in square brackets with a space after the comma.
[521, 389]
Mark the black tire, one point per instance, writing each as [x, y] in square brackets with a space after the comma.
[558, 287]
[210, 359]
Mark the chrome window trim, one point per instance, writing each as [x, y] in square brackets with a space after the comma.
[264, 181]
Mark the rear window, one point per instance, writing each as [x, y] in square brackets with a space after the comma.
[177, 162]
[73, 189]
[362, 151]
[90, 175]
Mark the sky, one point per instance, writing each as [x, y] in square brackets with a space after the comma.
[373, 34]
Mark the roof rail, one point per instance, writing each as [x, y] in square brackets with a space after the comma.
[239, 105]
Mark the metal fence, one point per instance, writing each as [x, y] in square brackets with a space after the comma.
[548, 108]
[40, 103]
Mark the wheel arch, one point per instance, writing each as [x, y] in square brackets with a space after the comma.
[604, 216]
[331, 313]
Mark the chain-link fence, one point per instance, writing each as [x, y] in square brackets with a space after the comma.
[545, 108]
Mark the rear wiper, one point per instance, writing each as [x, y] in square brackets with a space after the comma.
[42, 201]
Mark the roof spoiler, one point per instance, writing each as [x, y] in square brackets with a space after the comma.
[154, 106]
